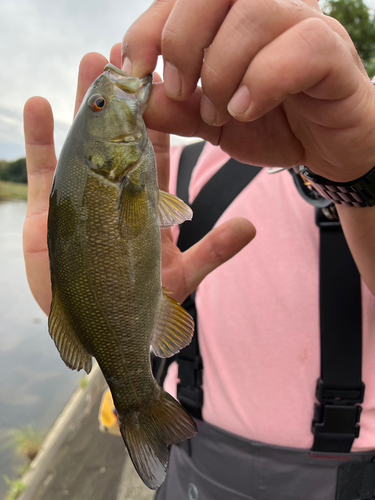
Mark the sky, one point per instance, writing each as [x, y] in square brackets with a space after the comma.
[41, 45]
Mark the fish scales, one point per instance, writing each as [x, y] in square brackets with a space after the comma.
[106, 211]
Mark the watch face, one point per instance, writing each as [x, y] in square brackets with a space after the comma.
[308, 191]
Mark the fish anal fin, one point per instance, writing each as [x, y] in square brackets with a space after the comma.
[172, 210]
[69, 346]
[149, 434]
[174, 328]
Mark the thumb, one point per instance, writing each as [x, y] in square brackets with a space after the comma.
[217, 247]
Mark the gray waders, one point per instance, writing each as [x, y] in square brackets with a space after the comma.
[217, 465]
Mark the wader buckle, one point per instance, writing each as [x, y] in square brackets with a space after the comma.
[327, 394]
[338, 414]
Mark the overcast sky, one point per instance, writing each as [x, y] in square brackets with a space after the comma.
[41, 43]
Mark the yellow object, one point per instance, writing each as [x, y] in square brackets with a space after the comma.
[107, 415]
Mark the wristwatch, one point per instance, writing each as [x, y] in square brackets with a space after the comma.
[357, 193]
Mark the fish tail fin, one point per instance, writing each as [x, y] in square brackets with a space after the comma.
[149, 434]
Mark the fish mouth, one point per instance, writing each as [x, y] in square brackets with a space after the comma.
[124, 81]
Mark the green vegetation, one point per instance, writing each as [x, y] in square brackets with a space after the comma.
[13, 171]
[83, 383]
[24, 468]
[16, 487]
[12, 191]
[27, 442]
[358, 20]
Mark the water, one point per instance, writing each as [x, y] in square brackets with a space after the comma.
[35, 384]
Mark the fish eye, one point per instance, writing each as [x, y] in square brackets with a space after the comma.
[97, 103]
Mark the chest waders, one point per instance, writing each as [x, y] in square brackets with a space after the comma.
[217, 465]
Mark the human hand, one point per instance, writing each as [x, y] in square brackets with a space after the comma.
[305, 95]
[182, 272]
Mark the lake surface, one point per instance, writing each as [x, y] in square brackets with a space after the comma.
[35, 384]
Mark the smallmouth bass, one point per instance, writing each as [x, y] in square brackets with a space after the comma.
[104, 222]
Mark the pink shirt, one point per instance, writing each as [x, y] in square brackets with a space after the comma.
[258, 318]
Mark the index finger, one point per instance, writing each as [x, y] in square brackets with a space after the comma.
[142, 42]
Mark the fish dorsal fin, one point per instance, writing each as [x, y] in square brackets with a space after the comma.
[174, 328]
[70, 348]
[172, 210]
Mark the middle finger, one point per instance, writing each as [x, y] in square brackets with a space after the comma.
[189, 30]
[247, 29]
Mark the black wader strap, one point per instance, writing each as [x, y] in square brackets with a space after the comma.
[188, 160]
[340, 389]
[211, 202]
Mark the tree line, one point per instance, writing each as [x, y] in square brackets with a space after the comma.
[354, 15]
[13, 171]
[358, 21]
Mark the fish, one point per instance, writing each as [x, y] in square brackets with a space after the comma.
[106, 212]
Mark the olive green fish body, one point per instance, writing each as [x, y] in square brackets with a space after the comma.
[104, 224]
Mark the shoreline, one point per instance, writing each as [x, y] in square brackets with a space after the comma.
[78, 406]
[13, 191]
[79, 461]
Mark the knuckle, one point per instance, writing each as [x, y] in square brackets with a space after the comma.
[315, 28]
[172, 46]
[211, 81]
[315, 35]
[345, 37]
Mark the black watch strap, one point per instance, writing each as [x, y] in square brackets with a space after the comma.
[358, 193]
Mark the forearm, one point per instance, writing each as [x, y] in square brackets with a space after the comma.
[359, 229]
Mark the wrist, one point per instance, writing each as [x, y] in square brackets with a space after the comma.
[359, 192]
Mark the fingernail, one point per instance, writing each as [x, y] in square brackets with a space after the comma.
[208, 110]
[127, 66]
[240, 102]
[172, 80]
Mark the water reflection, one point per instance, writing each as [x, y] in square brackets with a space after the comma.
[34, 382]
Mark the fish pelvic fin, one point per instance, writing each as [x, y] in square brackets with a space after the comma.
[172, 210]
[174, 328]
[149, 434]
[69, 346]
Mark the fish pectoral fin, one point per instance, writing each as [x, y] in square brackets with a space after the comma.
[131, 209]
[149, 434]
[69, 346]
[174, 328]
[172, 210]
